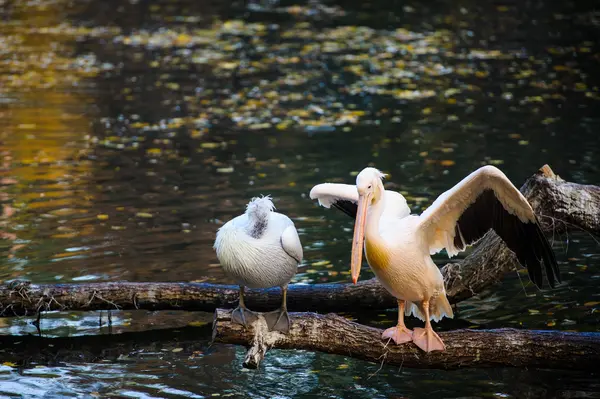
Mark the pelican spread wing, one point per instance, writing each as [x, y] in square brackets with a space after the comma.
[484, 200]
[345, 198]
[342, 196]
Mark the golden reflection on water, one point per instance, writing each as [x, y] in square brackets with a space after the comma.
[44, 121]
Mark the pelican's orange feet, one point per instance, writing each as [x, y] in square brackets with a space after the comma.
[428, 340]
[398, 334]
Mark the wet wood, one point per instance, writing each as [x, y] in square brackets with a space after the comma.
[559, 205]
[464, 348]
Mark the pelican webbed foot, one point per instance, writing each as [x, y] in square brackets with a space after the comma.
[399, 334]
[278, 320]
[244, 316]
[428, 340]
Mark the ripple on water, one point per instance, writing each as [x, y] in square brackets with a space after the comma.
[129, 134]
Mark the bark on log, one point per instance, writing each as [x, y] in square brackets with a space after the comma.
[464, 348]
[559, 205]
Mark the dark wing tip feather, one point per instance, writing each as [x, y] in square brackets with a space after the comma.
[552, 270]
[348, 207]
[526, 240]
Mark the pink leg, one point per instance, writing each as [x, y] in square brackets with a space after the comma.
[426, 338]
[399, 334]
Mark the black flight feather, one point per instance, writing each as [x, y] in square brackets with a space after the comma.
[348, 207]
[526, 240]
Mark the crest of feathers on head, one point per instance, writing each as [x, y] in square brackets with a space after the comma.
[370, 171]
[260, 207]
[381, 174]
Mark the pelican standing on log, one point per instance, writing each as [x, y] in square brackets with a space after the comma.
[398, 246]
[260, 249]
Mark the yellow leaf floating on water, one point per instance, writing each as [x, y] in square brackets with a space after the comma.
[534, 99]
[196, 133]
[228, 65]
[321, 263]
[447, 162]
[225, 170]
[342, 366]
[177, 350]
[451, 92]
[259, 126]
[102, 217]
[9, 364]
[591, 303]
[283, 125]
[551, 323]
[144, 215]
[533, 311]
[183, 39]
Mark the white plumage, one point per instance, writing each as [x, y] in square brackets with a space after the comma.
[260, 249]
[329, 194]
[398, 248]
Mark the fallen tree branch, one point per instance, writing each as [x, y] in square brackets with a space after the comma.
[464, 348]
[558, 204]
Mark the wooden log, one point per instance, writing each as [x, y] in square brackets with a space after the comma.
[559, 205]
[466, 348]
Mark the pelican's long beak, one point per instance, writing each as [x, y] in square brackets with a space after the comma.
[359, 235]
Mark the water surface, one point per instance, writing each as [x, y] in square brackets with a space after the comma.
[129, 133]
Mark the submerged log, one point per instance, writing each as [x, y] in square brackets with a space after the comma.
[559, 205]
[333, 334]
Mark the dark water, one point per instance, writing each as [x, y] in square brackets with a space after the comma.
[130, 131]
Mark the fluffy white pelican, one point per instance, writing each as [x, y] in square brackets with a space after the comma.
[260, 249]
[398, 245]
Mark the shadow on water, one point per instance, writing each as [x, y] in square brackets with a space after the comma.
[131, 132]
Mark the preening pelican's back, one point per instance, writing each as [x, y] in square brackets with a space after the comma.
[261, 262]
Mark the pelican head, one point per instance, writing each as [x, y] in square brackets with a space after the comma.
[370, 190]
[259, 207]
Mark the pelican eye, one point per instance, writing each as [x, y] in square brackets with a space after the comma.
[370, 185]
